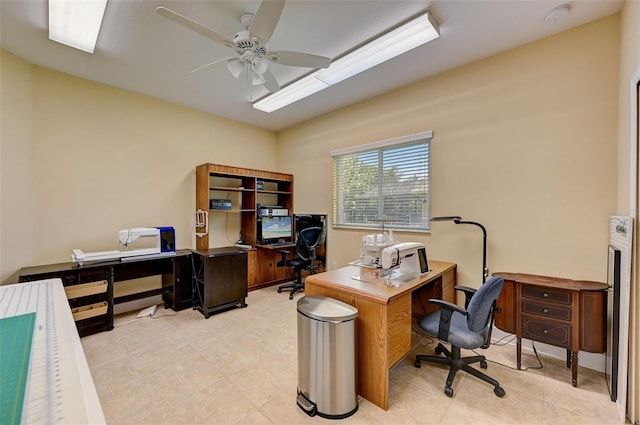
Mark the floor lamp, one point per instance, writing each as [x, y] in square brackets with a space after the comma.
[458, 220]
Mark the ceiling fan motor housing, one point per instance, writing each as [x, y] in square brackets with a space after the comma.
[244, 40]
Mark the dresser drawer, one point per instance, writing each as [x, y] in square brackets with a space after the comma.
[554, 311]
[547, 294]
[547, 331]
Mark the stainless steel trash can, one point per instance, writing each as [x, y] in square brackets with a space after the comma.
[326, 357]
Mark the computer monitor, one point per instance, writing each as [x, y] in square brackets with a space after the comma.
[275, 229]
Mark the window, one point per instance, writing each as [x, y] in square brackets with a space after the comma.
[384, 184]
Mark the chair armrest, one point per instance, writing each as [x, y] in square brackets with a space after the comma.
[283, 261]
[448, 306]
[468, 293]
[446, 311]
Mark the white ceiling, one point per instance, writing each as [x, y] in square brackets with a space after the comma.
[140, 51]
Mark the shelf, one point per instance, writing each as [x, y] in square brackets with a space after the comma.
[230, 189]
[233, 210]
[86, 289]
[87, 311]
[273, 192]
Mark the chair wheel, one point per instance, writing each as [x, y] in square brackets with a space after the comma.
[438, 350]
[418, 364]
[449, 391]
[499, 391]
[483, 364]
[279, 291]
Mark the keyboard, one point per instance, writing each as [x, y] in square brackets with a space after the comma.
[277, 244]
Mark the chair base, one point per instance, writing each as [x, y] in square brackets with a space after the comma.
[455, 362]
[295, 287]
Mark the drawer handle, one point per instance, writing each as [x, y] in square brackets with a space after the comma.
[545, 310]
[546, 331]
[545, 295]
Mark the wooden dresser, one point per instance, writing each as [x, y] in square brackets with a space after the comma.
[566, 313]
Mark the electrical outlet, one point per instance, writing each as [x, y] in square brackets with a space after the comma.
[333, 265]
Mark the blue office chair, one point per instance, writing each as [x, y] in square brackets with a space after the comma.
[468, 327]
[306, 244]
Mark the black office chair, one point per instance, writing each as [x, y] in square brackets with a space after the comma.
[306, 243]
[468, 327]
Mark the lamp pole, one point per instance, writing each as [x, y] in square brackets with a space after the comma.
[458, 220]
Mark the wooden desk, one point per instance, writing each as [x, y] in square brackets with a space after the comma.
[176, 283]
[383, 326]
[566, 313]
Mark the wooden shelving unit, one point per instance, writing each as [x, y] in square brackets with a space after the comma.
[215, 181]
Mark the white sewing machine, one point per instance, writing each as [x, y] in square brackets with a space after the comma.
[371, 248]
[403, 262]
[164, 244]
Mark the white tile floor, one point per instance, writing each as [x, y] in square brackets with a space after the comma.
[240, 367]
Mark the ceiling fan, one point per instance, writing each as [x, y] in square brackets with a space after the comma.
[250, 45]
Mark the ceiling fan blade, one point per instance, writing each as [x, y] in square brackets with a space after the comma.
[270, 81]
[305, 60]
[212, 63]
[266, 19]
[193, 25]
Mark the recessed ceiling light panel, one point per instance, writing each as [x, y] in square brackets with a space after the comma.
[408, 36]
[76, 23]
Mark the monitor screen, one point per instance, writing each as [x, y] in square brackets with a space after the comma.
[276, 228]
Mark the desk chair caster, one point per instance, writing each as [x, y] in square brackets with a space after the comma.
[295, 287]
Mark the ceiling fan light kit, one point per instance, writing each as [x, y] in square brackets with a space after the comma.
[413, 33]
[76, 23]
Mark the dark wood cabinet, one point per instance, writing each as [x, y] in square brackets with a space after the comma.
[560, 312]
[219, 279]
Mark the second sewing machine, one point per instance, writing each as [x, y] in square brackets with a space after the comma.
[164, 245]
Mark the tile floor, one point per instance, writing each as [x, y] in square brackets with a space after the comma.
[240, 367]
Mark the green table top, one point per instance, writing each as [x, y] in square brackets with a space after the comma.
[16, 334]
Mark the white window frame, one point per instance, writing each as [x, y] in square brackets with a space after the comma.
[340, 219]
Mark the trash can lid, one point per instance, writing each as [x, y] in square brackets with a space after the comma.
[326, 309]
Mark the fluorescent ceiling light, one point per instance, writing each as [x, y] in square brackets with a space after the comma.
[410, 35]
[76, 23]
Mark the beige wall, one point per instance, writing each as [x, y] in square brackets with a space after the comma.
[630, 66]
[629, 63]
[81, 160]
[524, 143]
[17, 207]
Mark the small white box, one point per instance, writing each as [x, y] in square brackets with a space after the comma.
[278, 212]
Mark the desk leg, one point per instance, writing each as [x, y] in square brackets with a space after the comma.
[568, 358]
[519, 352]
[574, 368]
